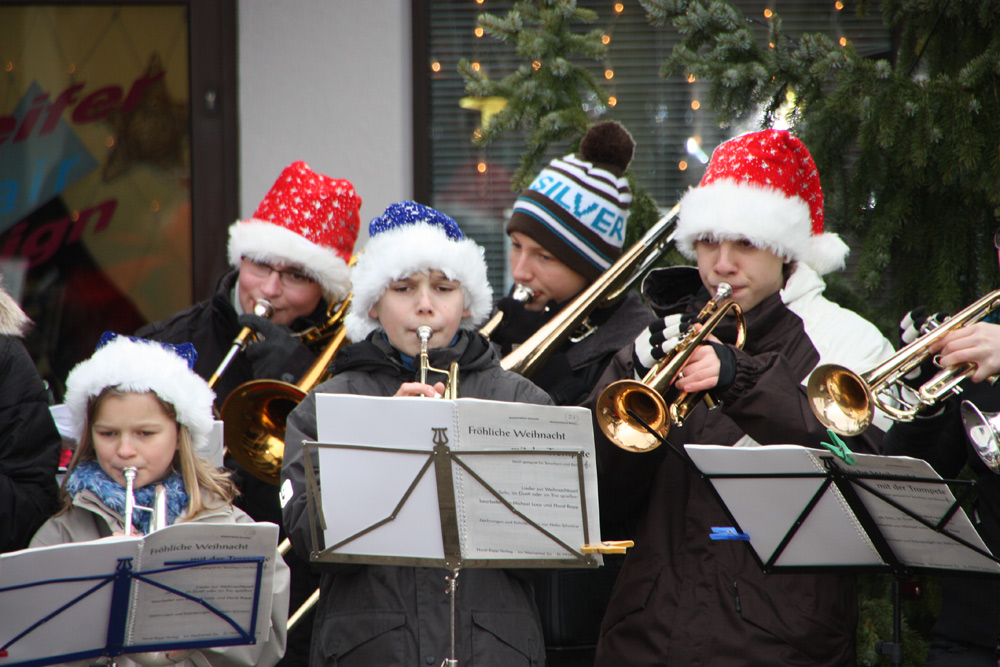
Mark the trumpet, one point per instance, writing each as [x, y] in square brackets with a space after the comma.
[261, 308]
[845, 401]
[645, 398]
[451, 387]
[521, 294]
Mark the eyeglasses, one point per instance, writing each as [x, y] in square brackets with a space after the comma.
[288, 277]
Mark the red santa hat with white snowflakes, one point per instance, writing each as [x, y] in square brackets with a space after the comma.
[306, 219]
[762, 187]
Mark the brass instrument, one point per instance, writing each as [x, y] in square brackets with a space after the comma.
[254, 414]
[533, 353]
[983, 429]
[261, 308]
[451, 387]
[645, 398]
[845, 401]
[157, 521]
[521, 294]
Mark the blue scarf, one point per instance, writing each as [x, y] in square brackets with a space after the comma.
[89, 475]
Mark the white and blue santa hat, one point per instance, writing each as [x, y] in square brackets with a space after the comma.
[138, 365]
[412, 238]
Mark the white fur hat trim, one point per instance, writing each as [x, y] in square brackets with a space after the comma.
[416, 248]
[727, 210]
[140, 367]
[266, 242]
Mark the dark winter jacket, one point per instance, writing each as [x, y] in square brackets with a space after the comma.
[970, 606]
[572, 370]
[682, 598]
[390, 615]
[29, 448]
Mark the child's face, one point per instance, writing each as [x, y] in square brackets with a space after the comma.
[133, 430]
[754, 273]
[417, 300]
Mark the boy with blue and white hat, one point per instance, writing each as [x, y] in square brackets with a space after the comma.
[417, 269]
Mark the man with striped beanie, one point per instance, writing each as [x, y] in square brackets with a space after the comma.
[567, 229]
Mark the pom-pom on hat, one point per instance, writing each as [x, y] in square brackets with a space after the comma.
[307, 219]
[412, 238]
[139, 365]
[577, 207]
[762, 187]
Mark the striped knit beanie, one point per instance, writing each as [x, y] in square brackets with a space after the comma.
[576, 208]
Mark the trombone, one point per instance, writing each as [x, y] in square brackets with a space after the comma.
[261, 308]
[645, 398]
[845, 401]
[535, 351]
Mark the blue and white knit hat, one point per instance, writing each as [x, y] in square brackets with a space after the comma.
[138, 365]
[577, 207]
[412, 238]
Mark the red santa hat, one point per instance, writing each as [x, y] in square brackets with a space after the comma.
[306, 219]
[762, 187]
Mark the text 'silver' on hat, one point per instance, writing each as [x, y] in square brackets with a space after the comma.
[306, 219]
[762, 187]
[577, 207]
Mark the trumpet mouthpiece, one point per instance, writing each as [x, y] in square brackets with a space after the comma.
[263, 308]
[724, 291]
[424, 333]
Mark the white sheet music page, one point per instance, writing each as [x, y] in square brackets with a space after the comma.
[543, 483]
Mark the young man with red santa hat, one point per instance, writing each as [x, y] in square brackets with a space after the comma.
[755, 222]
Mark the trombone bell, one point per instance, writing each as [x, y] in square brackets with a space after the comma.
[254, 416]
[983, 434]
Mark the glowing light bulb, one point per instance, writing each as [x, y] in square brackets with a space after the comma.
[768, 13]
[838, 5]
[481, 167]
[691, 78]
[619, 8]
[536, 65]
[475, 67]
[843, 41]
[609, 74]
[682, 165]
[605, 39]
[695, 104]
[612, 101]
[435, 66]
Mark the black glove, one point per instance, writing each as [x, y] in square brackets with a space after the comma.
[914, 324]
[557, 379]
[727, 365]
[270, 354]
[517, 325]
[658, 340]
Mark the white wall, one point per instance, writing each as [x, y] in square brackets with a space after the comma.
[328, 82]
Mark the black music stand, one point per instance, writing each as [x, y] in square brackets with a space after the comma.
[433, 501]
[807, 510]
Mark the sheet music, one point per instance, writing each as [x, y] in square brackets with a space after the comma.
[544, 483]
[34, 585]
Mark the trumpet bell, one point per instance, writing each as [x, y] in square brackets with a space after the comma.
[840, 399]
[254, 417]
[983, 434]
[612, 410]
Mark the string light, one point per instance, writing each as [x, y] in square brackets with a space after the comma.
[605, 39]
[609, 74]
[481, 167]
[695, 104]
[477, 134]
[770, 45]
[435, 66]
[838, 5]
[619, 8]
[843, 41]
[478, 31]
[536, 65]
[475, 67]
[682, 165]
[612, 101]
[768, 13]
[691, 78]
[479, 2]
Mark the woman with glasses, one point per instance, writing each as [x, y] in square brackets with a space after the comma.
[293, 255]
